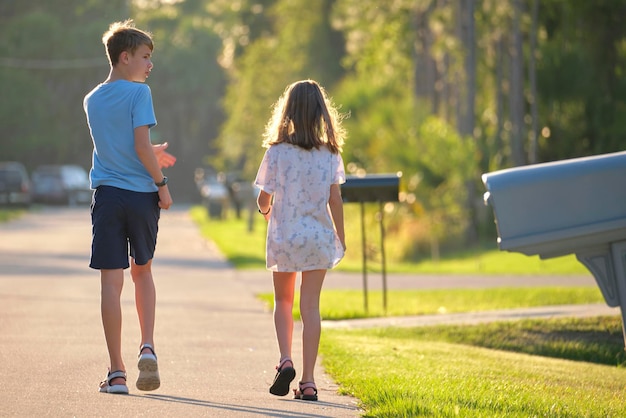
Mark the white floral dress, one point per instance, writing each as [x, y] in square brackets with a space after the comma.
[300, 234]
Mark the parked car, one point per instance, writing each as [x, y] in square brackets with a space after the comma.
[61, 184]
[14, 184]
[214, 192]
[215, 196]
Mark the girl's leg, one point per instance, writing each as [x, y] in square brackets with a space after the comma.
[284, 284]
[310, 290]
[111, 283]
[145, 300]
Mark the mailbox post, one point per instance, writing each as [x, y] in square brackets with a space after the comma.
[575, 206]
[379, 188]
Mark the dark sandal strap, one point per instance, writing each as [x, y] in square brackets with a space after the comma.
[307, 385]
[118, 374]
[149, 347]
[282, 363]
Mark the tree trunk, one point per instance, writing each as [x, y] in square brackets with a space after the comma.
[500, 62]
[532, 80]
[471, 234]
[516, 93]
[425, 68]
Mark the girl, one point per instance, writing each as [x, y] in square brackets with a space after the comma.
[299, 178]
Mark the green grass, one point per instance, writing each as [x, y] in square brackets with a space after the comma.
[482, 371]
[348, 304]
[246, 250]
[9, 214]
[243, 249]
[528, 368]
[556, 367]
[596, 340]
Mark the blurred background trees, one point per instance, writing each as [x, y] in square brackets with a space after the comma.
[442, 90]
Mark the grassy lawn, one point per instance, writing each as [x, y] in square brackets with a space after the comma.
[247, 251]
[548, 368]
[348, 304]
[529, 368]
[8, 214]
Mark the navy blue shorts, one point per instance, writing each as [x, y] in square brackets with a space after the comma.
[123, 219]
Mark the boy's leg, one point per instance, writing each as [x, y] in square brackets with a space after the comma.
[145, 300]
[310, 290]
[111, 282]
[284, 284]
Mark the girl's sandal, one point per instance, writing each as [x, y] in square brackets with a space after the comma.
[299, 394]
[284, 375]
[107, 387]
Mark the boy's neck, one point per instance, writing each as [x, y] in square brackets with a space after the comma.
[115, 74]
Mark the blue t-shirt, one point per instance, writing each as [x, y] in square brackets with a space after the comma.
[113, 112]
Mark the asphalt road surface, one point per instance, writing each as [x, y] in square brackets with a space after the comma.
[214, 339]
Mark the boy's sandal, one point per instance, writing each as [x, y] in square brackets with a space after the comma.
[299, 394]
[284, 376]
[107, 387]
[149, 378]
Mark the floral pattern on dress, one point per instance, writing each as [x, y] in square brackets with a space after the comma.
[300, 235]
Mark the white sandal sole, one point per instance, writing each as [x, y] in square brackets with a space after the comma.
[115, 389]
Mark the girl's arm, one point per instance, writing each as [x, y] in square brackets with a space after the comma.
[264, 202]
[336, 211]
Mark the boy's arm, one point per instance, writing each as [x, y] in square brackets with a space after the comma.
[145, 152]
[335, 202]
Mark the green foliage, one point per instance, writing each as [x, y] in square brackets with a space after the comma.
[51, 55]
[298, 44]
[449, 163]
[399, 70]
[583, 42]
[467, 371]
[187, 83]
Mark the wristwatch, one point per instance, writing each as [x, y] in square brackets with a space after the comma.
[163, 182]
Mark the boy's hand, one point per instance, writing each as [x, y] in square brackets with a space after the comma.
[165, 159]
[165, 199]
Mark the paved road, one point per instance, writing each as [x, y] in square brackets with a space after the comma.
[215, 340]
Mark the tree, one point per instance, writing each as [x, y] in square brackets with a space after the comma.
[47, 64]
[299, 44]
[188, 84]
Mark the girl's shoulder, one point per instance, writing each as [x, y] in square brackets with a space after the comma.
[282, 147]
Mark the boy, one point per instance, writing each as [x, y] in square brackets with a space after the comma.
[130, 191]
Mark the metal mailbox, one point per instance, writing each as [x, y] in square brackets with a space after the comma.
[559, 208]
[371, 188]
[575, 206]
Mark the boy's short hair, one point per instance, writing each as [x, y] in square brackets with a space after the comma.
[124, 36]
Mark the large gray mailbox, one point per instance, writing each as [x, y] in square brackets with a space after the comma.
[575, 206]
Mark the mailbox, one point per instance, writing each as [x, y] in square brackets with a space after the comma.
[371, 188]
[575, 206]
[558, 208]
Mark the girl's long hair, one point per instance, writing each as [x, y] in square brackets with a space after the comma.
[305, 116]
